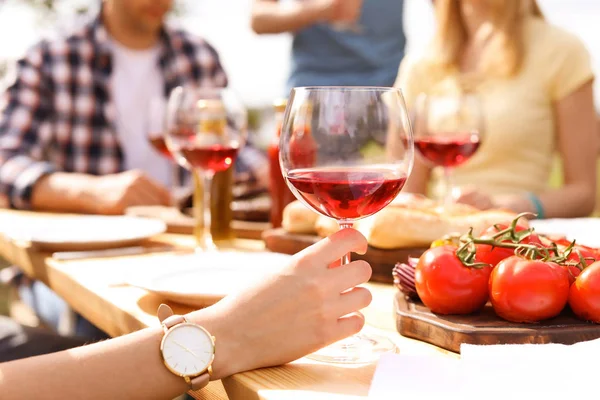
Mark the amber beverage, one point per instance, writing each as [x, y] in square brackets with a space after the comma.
[221, 194]
[220, 205]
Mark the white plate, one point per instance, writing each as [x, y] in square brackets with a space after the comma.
[585, 231]
[202, 279]
[56, 233]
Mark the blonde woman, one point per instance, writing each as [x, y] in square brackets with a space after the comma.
[535, 84]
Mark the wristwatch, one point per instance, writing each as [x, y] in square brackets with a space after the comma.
[187, 349]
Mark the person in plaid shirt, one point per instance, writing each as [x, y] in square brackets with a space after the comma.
[72, 129]
[74, 123]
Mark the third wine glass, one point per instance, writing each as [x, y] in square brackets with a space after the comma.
[448, 132]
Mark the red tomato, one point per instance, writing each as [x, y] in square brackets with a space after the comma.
[586, 253]
[493, 255]
[584, 296]
[523, 290]
[573, 272]
[560, 240]
[446, 286]
[578, 254]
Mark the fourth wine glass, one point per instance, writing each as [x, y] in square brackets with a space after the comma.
[346, 153]
[448, 131]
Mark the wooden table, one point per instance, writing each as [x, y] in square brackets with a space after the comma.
[95, 289]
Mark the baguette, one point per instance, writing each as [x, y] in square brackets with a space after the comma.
[409, 221]
[399, 227]
[297, 218]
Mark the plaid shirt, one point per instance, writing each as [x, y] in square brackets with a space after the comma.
[59, 116]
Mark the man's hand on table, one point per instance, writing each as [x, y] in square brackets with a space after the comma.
[113, 194]
[109, 194]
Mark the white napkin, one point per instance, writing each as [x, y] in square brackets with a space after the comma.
[405, 375]
[491, 372]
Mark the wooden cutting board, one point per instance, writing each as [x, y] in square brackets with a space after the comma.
[414, 320]
[382, 261]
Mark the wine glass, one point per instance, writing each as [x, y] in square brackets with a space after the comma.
[346, 153]
[207, 128]
[156, 126]
[448, 131]
[156, 135]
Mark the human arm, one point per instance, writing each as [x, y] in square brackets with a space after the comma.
[577, 144]
[109, 194]
[270, 16]
[565, 69]
[294, 312]
[28, 179]
[25, 128]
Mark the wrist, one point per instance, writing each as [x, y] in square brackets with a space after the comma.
[319, 11]
[536, 205]
[515, 203]
[227, 359]
[85, 191]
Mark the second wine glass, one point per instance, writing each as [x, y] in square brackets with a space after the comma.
[448, 131]
[207, 129]
[346, 153]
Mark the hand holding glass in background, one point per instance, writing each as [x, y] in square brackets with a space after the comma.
[347, 16]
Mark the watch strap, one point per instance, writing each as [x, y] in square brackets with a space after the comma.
[173, 320]
[164, 312]
[168, 319]
[199, 381]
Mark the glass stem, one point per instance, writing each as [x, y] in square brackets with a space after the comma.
[208, 177]
[176, 193]
[198, 207]
[345, 225]
[448, 198]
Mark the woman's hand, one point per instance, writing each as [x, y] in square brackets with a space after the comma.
[303, 308]
[476, 199]
[482, 201]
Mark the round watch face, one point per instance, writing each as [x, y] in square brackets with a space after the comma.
[187, 349]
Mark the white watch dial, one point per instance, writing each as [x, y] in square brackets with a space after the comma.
[187, 349]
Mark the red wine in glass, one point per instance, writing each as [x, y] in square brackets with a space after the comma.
[448, 150]
[215, 158]
[347, 193]
[158, 142]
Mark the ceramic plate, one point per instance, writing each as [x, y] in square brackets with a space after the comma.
[202, 279]
[58, 233]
